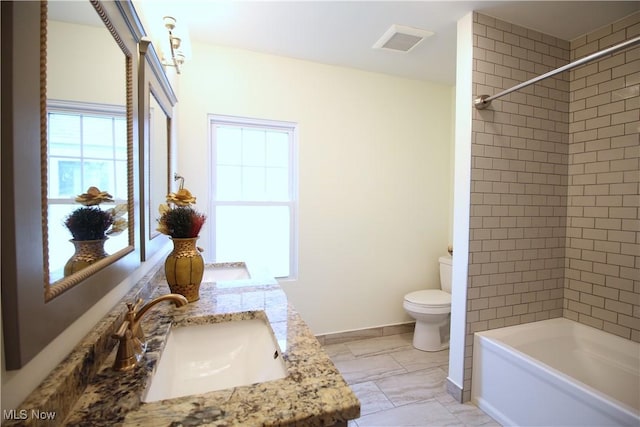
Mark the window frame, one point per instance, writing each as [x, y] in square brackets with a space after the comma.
[263, 124]
[80, 108]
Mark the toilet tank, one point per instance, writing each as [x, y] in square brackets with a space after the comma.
[445, 272]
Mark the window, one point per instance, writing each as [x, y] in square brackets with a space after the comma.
[87, 146]
[254, 193]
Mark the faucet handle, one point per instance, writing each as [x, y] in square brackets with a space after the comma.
[134, 326]
[123, 332]
[130, 350]
[133, 308]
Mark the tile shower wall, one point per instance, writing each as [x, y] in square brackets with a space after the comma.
[518, 181]
[602, 283]
[554, 188]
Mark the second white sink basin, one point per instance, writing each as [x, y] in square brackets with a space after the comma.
[224, 273]
[202, 358]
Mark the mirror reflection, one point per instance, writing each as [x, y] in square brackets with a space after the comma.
[87, 138]
[158, 165]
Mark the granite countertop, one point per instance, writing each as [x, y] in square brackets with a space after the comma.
[313, 393]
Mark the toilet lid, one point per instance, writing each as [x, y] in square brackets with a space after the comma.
[430, 297]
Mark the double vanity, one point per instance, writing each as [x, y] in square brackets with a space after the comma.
[239, 356]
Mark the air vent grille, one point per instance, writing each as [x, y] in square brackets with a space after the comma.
[400, 38]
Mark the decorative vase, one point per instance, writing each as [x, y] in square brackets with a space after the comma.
[86, 253]
[184, 268]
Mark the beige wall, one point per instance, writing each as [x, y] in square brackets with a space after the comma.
[80, 55]
[374, 174]
[554, 190]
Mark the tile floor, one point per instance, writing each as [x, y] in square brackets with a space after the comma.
[400, 386]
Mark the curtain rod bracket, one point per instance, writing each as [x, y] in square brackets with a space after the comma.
[481, 102]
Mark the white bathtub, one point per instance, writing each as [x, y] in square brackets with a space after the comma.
[556, 372]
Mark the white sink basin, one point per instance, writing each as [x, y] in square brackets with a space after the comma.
[223, 274]
[202, 358]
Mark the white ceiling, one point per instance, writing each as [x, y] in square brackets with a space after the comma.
[343, 32]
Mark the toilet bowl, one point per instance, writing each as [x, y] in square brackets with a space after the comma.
[432, 310]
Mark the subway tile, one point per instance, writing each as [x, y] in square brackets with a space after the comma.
[630, 298]
[599, 189]
[604, 31]
[606, 154]
[606, 292]
[623, 212]
[620, 283]
[627, 68]
[614, 200]
[632, 104]
[611, 108]
[617, 330]
[611, 131]
[597, 168]
[602, 121]
[612, 39]
[593, 301]
[609, 178]
[624, 117]
[579, 307]
[608, 247]
[594, 256]
[610, 85]
[630, 224]
[621, 260]
[611, 62]
[631, 176]
[587, 49]
[600, 77]
[629, 321]
[592, 321]
[632, 128]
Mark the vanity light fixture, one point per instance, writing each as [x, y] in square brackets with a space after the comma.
[176, 55]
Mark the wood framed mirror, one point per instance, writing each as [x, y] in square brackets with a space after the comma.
[156, 134]
[36, 305]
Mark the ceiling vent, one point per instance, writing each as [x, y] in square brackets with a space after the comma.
[400, 38]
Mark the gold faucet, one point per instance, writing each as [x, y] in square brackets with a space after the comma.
[131, 340]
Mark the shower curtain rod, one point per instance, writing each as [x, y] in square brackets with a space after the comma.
[483, 101]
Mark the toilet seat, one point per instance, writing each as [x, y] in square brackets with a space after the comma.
[428, 301]
[430, 297]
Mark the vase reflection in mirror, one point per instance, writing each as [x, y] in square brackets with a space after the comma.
[89, 225]
[86, 253]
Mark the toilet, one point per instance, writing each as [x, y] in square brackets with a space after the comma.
[432, 310]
